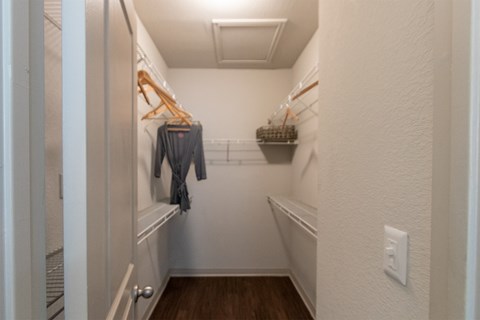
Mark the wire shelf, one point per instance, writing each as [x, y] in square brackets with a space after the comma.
[300, 213]
[153, 219]
[299, 100]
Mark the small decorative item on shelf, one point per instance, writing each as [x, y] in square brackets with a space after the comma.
[279, 133]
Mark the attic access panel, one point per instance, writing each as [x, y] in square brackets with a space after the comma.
[246, 41]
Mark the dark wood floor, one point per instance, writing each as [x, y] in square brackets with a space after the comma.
[212, 298]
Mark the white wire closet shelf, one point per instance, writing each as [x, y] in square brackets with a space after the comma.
[154, 218]
[245, 141]
[240, 151]
[299, 100]
[143, 57]
[300, 213]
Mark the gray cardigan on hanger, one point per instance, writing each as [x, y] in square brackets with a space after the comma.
[180, 147]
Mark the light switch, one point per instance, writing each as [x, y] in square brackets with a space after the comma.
[395, 255]
[391, 252]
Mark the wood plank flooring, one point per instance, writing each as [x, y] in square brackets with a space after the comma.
[212, 298]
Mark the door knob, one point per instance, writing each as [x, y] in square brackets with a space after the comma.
[146, 292]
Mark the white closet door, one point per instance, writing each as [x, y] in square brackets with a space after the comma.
[99, 158]
[121, 158]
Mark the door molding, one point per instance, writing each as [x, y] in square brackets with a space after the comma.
[74, 104]
[124, 287]
[23, 159]
[472, 303]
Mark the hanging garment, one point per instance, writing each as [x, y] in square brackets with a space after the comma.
[180, 147]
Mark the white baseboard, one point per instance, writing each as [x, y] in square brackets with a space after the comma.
[156, 297]
[229, 272]
[306, 299]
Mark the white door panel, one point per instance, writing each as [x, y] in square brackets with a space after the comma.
[122, 305]
[121, 159]
[99, 158]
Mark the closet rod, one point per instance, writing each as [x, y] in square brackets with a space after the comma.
[231, 141]
[245, 141]
[53, 21]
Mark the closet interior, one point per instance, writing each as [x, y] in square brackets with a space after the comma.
[255, 214]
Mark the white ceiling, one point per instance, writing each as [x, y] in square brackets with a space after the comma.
[183, 31]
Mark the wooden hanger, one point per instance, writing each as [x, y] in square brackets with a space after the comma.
[177, 127]
[144, 93]
[172, 125]
[178, 123]
[305, 90]
[144, 88]
[158, 110]
[289, 114]
[166, 100]
[145, 79]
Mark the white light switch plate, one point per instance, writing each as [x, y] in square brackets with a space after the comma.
[395, 254]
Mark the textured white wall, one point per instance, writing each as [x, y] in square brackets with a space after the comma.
[231, 225]
[307, 59]
[147, 44]
[375, 142]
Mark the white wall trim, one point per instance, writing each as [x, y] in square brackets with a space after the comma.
[303, 294]
[472, 307]
[74, 157]
[156, 298]
[37, 157]
[23, 160]
[2, 229]
[16, 157]
[115, 307]
[5, 34]
[229, 273]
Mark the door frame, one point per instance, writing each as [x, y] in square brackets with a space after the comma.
[74, 117]
[20, 190]
[23, 209]
[472, 299]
